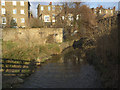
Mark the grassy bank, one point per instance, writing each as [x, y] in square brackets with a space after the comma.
[15, 51]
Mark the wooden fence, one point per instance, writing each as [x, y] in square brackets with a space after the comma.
[15, 67]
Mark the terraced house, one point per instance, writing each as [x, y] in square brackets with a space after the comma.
[17, 10]
[47, 13]
[103, 13]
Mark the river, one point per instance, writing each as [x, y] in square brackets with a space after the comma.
[61, 72]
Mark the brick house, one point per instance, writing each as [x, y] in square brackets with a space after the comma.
[19, 11]
[48, 13]
[103, 13]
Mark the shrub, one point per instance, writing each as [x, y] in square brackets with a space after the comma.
[13, 23]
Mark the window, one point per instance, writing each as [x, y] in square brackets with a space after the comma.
[111, 11]
[47, 18]
[22, 3]
[70, 18]
[3, 10]
[22, 20]
[53, 8]
[14, 11]
[63, 17]
[14, 3]
[106, 11]
[95, 11]
[77, 17]
[15, 19]
[3, 20]
[53, 15]
[42, 8]
[53, 20]
[48, 8]
[60, 8]
[22, 11]
[3, 3]
[100, 11]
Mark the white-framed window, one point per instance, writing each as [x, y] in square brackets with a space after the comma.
[42, 8]
[106, 11]
[3, 10]
[77, 17]
[48, 8]
[2, 3]
[3, 20]
[95, 11]
[22, 3]
[22, 20]
[22, 12]
[111, 11]
[14, 3]
[63, 17]
[53, 20]
[53, 15]
[70, 18]
[53, 8]
[15, 19]
[60, 8]
[14, 11]
[99, 11]
[46, 18]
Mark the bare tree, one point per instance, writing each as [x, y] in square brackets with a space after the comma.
[36, 23]
[83, 19]
[8, 18]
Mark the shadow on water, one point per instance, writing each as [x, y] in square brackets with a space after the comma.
[67, 70]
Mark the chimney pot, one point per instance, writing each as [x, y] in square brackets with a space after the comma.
[101, 6]
[50, 3]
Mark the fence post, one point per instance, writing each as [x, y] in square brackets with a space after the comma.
[4, 65]
[32, 66]
[21, 66]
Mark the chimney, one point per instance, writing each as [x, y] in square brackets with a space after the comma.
[101, 6]
[50, 3]
[114, 8]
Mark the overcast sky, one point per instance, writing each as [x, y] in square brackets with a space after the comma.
[92, 4]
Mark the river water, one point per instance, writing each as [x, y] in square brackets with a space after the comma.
[62, 73]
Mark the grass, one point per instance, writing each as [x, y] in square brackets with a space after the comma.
[15, 51]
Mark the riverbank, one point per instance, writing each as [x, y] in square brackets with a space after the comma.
[15, 50]
[40, 53]
[104, 57]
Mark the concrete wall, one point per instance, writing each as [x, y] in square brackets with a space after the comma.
[33, 35]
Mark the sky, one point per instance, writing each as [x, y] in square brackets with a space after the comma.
[91, 3]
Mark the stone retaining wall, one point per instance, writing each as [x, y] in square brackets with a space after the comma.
[33, 35]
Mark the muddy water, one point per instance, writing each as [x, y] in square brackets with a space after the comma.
[65, 71]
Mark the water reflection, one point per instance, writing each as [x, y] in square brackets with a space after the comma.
[64, 71]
